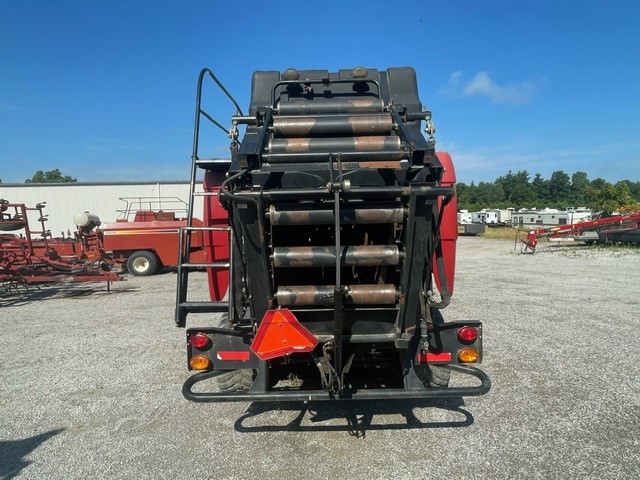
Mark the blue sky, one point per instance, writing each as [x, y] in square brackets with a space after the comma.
[104, 90]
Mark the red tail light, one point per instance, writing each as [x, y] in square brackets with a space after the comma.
[199, 340]
[468, 334]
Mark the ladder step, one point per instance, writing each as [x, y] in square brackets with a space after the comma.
[206, 265]
[203, 307]
[215, 164]
[206, 229]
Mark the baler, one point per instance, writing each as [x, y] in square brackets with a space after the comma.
[331, 236]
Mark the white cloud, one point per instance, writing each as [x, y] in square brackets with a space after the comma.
[486, 163]
[482, 84]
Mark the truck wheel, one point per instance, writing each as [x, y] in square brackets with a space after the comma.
[236, 380]
[142, 263]
[437, 376]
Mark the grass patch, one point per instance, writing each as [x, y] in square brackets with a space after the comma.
[505, 233]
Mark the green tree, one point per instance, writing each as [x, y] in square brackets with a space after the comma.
[559, 189]
[634, 190]
[50, 176]
[517, 188]
[487, 194]
[540, 188]
[609, 198]
[464, 193]
[579, 184]
[599, 183]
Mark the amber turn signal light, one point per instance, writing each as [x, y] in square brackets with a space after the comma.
[199, 362]
[467, 355]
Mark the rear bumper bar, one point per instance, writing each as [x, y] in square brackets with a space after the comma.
[318, 395]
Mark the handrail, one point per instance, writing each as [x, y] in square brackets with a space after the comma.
[199, 111]
[134, 204]
[196, 131]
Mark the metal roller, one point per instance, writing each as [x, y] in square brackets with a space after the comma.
[323, 295]
[322, 105]
[332, 125]
[384, 157]
[367, 144]
[294, 215]
[361, 255]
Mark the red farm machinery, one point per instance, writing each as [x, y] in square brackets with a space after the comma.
[146, 235]
[144, 238]
[30, 256]
[331, 238]
[603, 230]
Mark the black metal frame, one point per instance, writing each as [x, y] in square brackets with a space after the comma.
[347, 394]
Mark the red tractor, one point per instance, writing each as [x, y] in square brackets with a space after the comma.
[331, 235]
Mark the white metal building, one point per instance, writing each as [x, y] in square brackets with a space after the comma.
[64, 200]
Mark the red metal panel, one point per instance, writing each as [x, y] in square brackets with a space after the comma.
[216, 243]
[449, 227]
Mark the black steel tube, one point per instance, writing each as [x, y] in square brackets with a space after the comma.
[332, 125]
[235, 197]
[284, 194]
[329, 106]
[376, 143]
[354, 255]
[366, 157]
[348, 395]
[360, 338]
[295, 215]
[297, 295]
[181, 290]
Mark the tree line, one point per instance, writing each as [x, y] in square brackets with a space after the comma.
[519, 190]
[50, 176]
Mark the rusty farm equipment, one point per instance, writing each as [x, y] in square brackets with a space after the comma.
[31, 256]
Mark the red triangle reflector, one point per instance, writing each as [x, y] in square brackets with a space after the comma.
[279, 334]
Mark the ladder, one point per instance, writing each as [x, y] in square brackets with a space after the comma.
[183, 305]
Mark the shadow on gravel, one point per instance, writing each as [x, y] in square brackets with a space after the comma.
[357, 415]
[23, 295]
[13, 453]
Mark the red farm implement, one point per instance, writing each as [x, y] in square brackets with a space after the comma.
[529, 242]
[31, 256]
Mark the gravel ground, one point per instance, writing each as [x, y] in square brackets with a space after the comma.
[90, 386]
